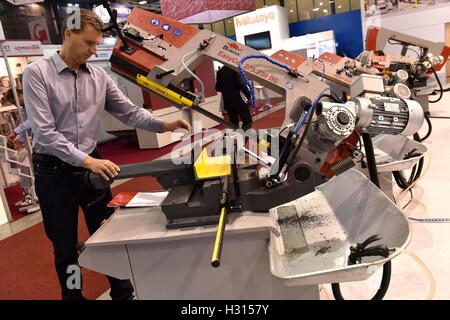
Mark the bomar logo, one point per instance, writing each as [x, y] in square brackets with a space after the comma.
[233, 48]
[257, 18]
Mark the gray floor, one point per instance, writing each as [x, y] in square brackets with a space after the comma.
[410, 279]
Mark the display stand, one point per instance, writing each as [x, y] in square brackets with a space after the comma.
[9, 50]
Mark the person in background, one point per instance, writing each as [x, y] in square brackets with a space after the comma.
[4, 86]
[234, 93]
[65, 98]
[18, 133]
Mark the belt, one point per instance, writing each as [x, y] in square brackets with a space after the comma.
[42, 157]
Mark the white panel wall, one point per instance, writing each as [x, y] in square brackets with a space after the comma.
[273, 19]
[424, 23]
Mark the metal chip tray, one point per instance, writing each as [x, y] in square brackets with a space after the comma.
[345, 210]
[390, 152]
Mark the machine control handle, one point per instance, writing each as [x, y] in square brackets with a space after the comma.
[215, 260]
[217, 252]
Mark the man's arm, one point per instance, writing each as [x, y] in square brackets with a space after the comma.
[24, 126]
[126, 111]
[42, 121]
[44, 130]
[120, 106]
[219, 82]
[243, 87]
[19, 131]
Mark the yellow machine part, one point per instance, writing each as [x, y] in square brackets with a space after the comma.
[264, 144]
[206, 167]
[163, 91]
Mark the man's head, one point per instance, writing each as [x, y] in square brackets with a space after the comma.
[82, 32]
[4, 84]
[9, 97]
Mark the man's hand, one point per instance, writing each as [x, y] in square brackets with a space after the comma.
[172, 125]
[105, 168]
[12, 136]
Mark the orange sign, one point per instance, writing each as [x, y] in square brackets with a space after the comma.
[262, 18]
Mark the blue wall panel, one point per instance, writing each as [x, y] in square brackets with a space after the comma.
[347, 30]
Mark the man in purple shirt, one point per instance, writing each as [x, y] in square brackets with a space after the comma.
[64, 100]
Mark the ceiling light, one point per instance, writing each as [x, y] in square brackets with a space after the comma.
[325, 11]
[339, 6]
[142, 2]
[77, 5]
[69, 4]
[316, 9]
[291, 10]
[321, 4]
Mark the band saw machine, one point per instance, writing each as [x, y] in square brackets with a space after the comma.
[319, 216]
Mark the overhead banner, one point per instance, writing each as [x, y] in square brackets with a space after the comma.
[22, 48]
[19, 2]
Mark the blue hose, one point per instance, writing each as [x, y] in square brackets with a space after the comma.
[244, 76]
[313, 106]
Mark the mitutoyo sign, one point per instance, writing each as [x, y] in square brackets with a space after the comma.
[262, 17]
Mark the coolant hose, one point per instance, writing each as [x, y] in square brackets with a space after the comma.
[387, 267]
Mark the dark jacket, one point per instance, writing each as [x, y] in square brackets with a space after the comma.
[230, 83]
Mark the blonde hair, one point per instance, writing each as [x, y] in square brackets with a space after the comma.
[84, 17]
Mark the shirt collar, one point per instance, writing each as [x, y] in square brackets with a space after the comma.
[61, 65]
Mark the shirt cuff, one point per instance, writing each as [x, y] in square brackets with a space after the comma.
[77, 157]
[21, 137]
[156, 125]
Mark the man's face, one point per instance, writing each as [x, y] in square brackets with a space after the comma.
[5, 82]
[82, 45]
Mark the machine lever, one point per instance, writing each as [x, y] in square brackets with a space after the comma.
[217, 252]
[163, 74]
[255, 156]
[125, 47]
[215, 260]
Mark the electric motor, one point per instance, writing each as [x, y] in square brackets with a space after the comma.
[377, 114]
[336, 121]
[401, 91]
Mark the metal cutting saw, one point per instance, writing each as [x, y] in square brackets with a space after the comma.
[316, 147]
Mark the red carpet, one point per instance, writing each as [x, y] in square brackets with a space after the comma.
[26, 265]
[26, 261]
[126, 150]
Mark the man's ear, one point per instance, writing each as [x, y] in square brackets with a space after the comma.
[67, 34]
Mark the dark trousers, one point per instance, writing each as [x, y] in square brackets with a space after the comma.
[243, 114]
[61, 192]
